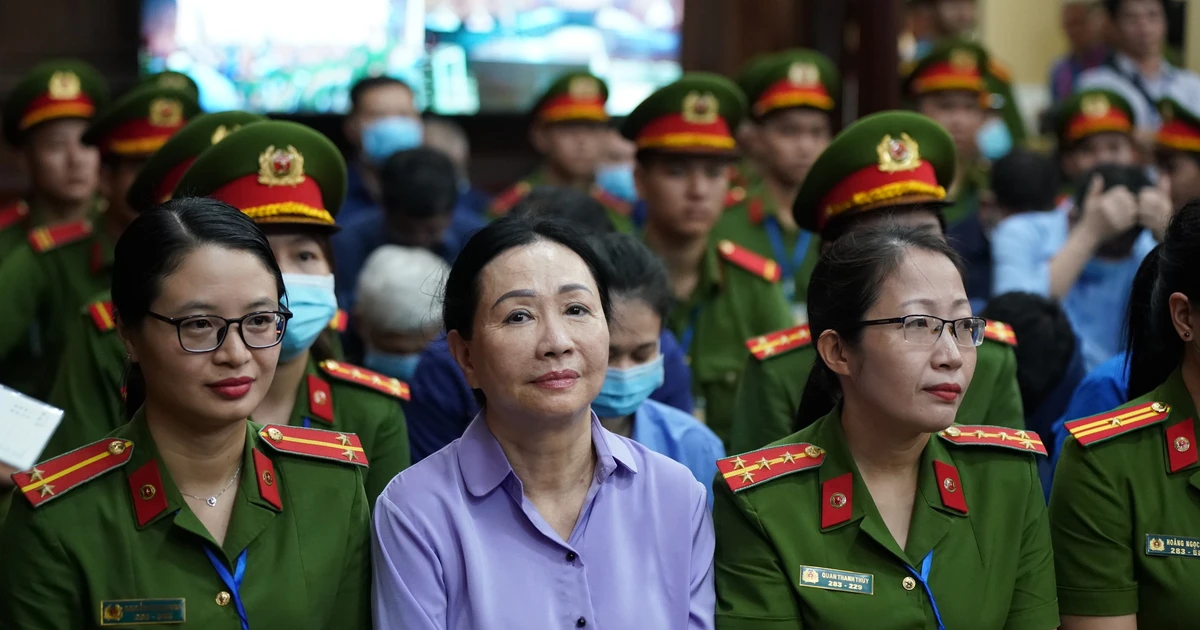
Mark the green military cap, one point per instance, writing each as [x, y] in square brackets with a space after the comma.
[793, 78]
[1089, 112]
[55, 89]
[158, 177]
[573, 97]
[140, 122]
[174, 80]
[276, 172]
[953, 64]
[695, 114]
[886, 159]
[1180, 130]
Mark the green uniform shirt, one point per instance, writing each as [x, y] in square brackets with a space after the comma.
[966, 196]
[89, 391]
[618, 211]
[751, 223]
[991, 567]
[43, 293]
[771, 388]
[729, 305]
[307, 561]
[1113, 499]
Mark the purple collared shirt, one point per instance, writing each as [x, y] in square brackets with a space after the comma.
[457, 546]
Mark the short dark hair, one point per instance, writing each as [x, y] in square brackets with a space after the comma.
[846, 282]
[155, 245]
[418, 183]
[1113, 7]
[366, 84]
[1047, 342]
[851, 222]
[634, 272]
[1025, 180]
[582, 211]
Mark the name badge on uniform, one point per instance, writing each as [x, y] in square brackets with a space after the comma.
[1177, 546]
[142, 612]
[835, 580]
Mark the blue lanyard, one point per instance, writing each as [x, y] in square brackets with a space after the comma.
[690, 331]
[789, 266]
[307, 424]
[232, 582]
[923, 578]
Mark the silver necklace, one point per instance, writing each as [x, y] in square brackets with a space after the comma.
[212, 501]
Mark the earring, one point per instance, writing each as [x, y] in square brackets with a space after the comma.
[1187, 335]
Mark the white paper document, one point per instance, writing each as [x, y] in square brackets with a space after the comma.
[26, 425]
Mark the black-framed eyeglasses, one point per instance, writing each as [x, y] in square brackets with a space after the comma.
[926, 329]
[205, 333]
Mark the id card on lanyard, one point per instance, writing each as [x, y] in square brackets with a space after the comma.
[788, 265]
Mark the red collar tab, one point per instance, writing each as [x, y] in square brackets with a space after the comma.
[320, 399]
[837, 500]
[268, 482]
[950, 486]
[1181, 445]
[146, 490]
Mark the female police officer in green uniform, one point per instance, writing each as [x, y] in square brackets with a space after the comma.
[1124, 512]
[190, 513]
[892, 166]
[884, 513]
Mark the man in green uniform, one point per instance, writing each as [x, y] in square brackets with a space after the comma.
[47, 280]
[44, 118]
[857, 182]
[569, 129]
[949, 85]
[683, 134]
[793, 100]
[1093, 127]
[175, 81]
[1177, 150]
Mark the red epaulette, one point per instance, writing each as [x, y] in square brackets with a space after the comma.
[103, 315]
[339, 321]
[735, 195]
[10, 215]
[779, 342]
[361, 376]
[1108, 425]
[999, 331]
[46, 238]
[986, 435]
[611, 201]
[509, 198]
[54, 477]
[755, 467]
[318, 443]
[762, 267]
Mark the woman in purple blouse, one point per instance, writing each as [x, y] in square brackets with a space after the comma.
[537, 517]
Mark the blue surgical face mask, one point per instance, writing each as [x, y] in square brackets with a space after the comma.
[401, 366]
[993, 139]
[312, 302]
[385, 136]
[625, 389]
[617, 180]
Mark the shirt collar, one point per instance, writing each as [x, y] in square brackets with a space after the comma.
[484, 466]
[1125, 64]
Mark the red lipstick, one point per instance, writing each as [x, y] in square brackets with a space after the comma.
[232, 388]
[946, 391]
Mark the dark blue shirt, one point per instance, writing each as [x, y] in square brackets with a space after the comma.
[443, 405]
[968, 239]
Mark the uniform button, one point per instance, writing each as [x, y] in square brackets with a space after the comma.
[223, 598]
[581, 622]
[909, 584]
[571, 556]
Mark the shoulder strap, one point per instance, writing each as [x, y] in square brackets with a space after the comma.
[612, 202]
[49, 237]
[382, 383]
[986, 435]
[779, 342]
[344, 448]
[55, 477]
[339, 321]
[999, 331]
[12, 214]
[103, 315]
[764, 268]
[1105, 426]
[509, 198]
[756, 467]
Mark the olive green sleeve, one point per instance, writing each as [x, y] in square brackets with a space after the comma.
[753, 592]
[761, 410]
[772, 311]
[1034, 602]
[1091, 524]
[390, 453]
[1006, 409]
[87, 390]
[39, 585]
[23, 284]
[352, 608]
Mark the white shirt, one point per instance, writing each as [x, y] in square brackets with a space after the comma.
[1177, 83]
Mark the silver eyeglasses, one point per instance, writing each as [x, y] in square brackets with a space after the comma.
[926, 329]
[205, 333]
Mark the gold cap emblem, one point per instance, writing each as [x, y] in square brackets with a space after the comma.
[281, 167]
[701, 109]
[801, 73]
[963, 59]
[64, 85]
[165, 112]
[1095, 105]
[897, 155]
[583, 88]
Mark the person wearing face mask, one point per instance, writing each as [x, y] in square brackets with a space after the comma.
[291, 181]
[570, 129]
[640, 291]
[44, 118]
[885, 513]
[615, 173]
[397, 309]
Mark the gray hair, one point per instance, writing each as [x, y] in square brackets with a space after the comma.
[399, 290]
